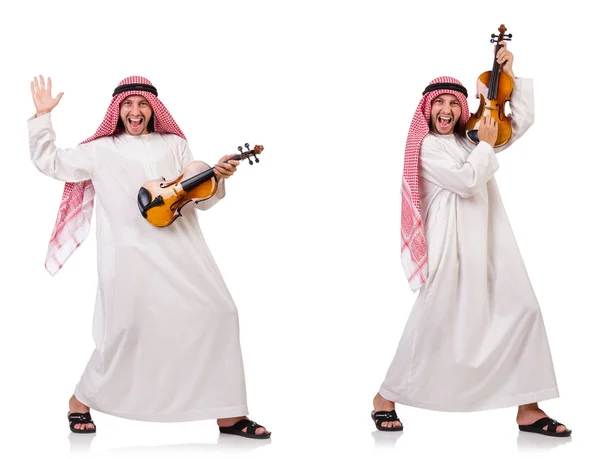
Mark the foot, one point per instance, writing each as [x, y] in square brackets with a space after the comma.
[382, 404]
[228, 422]
[528, 414]
[75, 406]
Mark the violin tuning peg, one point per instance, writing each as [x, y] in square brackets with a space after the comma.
[240, 149]
[247, 145]
[250, 161]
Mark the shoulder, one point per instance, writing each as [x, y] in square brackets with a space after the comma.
[434, 144]
[430, 141]
[173, 141]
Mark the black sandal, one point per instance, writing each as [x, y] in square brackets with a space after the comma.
[538, 427]
[80, 418]
[237, 429]
[386, 416]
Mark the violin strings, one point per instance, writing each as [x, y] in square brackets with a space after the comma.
[198, 179]
[494, 79]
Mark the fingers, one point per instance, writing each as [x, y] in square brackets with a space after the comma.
[36, 84]
[503, 56]
[223, 172]
[500, 56]
[49, 85]
[226, 166]
[489, 121]
[505, 59]
[42, 83]
[59, 96]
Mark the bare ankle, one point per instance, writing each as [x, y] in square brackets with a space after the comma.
[76, 405]
[382, 404]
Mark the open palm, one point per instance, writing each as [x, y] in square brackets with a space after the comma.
[42, 95]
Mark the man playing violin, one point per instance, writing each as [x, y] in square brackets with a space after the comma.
[475, 338]
[165, 325]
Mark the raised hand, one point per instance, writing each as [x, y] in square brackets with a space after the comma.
[505, 59]
[488, 130]
[42, 96]
[225, 169]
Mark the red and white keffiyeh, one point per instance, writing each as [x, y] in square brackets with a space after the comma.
[75, 212]
[414, 245]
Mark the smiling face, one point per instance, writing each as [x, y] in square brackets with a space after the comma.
[445, 113]
[135, 114]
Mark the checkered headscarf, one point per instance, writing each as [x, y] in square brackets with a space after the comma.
[414, 246]
[75, 212]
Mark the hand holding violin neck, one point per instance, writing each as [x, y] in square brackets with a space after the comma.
[226, 166]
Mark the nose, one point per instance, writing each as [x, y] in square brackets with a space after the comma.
[446, 109]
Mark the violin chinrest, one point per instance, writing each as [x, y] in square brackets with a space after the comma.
[473, 135]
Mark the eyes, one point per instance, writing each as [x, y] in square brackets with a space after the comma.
[454, 103]
[127, 103]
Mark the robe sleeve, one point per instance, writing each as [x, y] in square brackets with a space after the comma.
[466, 178]
[187, 158]
[69, 164]
[522, 109]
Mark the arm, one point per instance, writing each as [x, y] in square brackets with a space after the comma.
[522, 106]
[465, 179]
[69, 165]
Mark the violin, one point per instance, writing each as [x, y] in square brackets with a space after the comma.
[494, 89]
[160, 201]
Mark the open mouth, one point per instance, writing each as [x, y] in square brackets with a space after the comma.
[444, 121]
[135, 122]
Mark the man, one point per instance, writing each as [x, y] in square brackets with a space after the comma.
[165, 325]
[475, 338]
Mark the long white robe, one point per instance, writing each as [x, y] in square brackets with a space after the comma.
[165, 326]
[475, 338]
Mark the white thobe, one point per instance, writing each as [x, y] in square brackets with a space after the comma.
[165, 326]
[475, 338]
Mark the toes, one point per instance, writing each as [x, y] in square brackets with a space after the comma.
[385, 424]
[89, 426]
[560, 428]
[78, 426]
[259, 431]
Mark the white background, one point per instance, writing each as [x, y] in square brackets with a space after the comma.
[307, 240]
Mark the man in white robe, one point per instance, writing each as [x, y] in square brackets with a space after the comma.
[165, 326]
[475, 339]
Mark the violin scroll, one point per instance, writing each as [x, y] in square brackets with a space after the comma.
[248, 154]
[502, 36]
